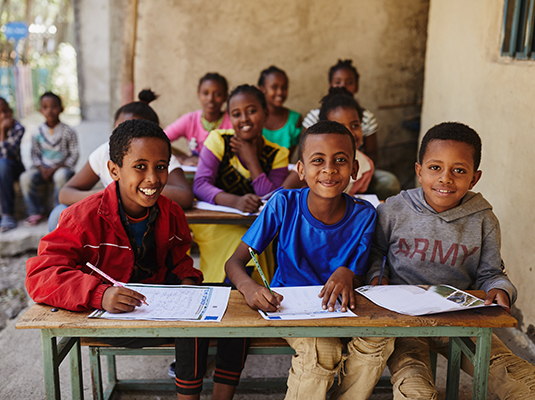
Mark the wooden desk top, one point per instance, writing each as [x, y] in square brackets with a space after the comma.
[240, 315]
[196, 216]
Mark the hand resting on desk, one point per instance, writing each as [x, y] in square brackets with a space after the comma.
[500, 297]
[340, 283]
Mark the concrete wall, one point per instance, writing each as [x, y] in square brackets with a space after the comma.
[179, 41]
[466, 80]
[92, 25]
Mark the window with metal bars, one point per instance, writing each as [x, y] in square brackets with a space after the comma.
[518, 29]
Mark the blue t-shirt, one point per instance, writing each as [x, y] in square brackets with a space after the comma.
[308, 251]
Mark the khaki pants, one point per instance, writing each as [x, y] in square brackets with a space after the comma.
[510, 377]
[317, 360]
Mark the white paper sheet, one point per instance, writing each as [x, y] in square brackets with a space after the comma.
[302, 302]
[420, 300]
[372, 198]
[189, 168]
[176, 302]
[203, 205]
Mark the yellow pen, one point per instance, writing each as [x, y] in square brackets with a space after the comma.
[259, 269]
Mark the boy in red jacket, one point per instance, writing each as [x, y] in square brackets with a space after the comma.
[131, 233]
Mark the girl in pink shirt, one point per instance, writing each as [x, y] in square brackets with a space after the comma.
[195, 126]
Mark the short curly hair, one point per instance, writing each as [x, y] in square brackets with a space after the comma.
[122, 136]
[326, 128]
[453, 131]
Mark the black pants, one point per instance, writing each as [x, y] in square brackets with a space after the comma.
[191, 359]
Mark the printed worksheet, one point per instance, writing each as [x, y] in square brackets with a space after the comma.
[420, 300]
[302, 302]
[175, 302]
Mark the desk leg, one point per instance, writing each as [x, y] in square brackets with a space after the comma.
[77, 384]
[481, 364]
[454, 370]
[50, 365]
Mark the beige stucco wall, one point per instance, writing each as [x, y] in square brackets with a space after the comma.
[466, 80]
[93, 42]
[179, 41]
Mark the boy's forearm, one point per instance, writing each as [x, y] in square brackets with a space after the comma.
[235, 268]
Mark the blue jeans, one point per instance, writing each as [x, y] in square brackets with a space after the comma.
[53, 218]
[31, 180]
[9, 172]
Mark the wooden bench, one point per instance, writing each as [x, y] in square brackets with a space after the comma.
[259, 346]
[270, 346]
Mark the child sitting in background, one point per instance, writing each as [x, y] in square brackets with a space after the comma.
[54, 156]
[442, 233]
[195, 126]
[81, 184]
[133, 234]
[11, 166]
[236, 167]
[343, 74]
[283, 126]
[324, 238]
[340, 106]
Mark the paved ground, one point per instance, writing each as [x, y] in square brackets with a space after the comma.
[20, 351]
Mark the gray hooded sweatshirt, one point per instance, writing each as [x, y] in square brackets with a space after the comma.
[458, 247]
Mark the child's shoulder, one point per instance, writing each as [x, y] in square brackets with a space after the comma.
[359, 207]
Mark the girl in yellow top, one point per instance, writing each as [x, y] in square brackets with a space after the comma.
[236, 167]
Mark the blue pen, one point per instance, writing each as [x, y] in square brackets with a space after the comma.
[382, 271]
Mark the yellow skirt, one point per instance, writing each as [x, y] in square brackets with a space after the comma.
[217, 243]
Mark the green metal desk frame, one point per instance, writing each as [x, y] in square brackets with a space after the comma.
[55, 352]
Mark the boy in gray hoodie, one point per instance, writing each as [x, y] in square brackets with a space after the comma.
[442, 233]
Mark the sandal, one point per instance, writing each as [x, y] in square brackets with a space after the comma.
[7, 223]
[33, 220]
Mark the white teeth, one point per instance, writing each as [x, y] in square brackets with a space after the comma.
[246, 128]
[148, 192]
[444, 191]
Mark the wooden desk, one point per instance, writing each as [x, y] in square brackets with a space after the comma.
[196, 216]
[240, 321]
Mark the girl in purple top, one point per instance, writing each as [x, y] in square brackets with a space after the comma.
[195, 126]
[236, 167]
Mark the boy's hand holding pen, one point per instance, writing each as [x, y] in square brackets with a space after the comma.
[264, 298]
[118, 298]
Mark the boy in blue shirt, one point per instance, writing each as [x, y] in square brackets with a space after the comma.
[324, 238]
[443, 233]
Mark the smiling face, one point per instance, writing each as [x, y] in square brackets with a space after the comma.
[212, 95]
[51, 109]
[275, 89]
[349, 117]
[327, 164]
[447, 173]
[143, 175]
[344, 77]
[247, 116]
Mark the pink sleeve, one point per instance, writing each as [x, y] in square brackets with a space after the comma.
[362, 184]
[179, 128]
[204, 184]
[263, 184]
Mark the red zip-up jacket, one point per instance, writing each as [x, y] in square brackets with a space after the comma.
[91, 231]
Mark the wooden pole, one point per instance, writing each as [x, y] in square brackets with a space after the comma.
[128, 52]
